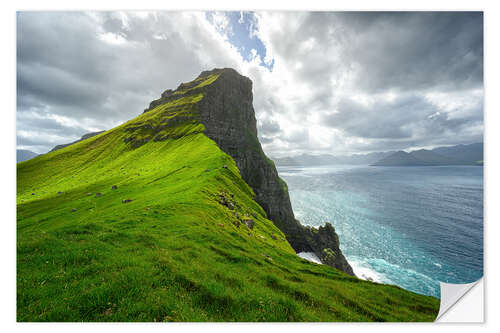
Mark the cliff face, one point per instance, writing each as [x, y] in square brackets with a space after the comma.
[227, 113]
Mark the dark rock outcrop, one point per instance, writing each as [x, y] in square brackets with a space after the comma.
[229, 119]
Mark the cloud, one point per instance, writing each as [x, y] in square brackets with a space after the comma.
[409, 51]
[70, 64]
[323, 82]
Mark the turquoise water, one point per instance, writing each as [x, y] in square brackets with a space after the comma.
[409, 226]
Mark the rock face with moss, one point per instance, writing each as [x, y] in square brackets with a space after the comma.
[227, 113]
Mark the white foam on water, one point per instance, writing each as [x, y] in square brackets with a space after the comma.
[311, 256]
[363, 271]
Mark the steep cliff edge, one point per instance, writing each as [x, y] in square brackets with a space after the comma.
[229, 118]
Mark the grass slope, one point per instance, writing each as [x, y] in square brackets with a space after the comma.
[173, 253]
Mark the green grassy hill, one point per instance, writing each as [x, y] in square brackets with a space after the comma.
[166, 244]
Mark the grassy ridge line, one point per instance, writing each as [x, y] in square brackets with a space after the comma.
[173, 252]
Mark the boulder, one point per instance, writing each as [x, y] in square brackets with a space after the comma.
[248, 222]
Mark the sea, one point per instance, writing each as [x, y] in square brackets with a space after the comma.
[408, 226]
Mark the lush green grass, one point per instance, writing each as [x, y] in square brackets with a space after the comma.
[173, 253]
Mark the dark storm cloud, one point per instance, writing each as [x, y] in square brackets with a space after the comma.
[413, 50]
[405, 117]
[420, 50]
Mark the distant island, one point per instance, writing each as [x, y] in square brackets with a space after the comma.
[327, 159]
[471, 154]
[24, 155]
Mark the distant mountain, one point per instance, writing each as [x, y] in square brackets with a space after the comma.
[398, 158]
[472, 152]
[456, 155]
[364, 159]
[24, 155]
[326, 159]
[84, 137]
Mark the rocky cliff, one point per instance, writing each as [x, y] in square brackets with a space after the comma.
[227, 113]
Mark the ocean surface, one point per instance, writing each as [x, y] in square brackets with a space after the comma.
[408, 226]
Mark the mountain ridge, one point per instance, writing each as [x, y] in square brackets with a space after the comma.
[471, 154]
[24, 155]
[328, 159]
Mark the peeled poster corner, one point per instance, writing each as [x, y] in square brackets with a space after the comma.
[462, 303]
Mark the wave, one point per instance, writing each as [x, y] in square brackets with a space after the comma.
[360, 268]
[379, 270]
[311, 256]
[363, 271]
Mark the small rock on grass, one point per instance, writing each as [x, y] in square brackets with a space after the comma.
[126, 200]
[248, 222]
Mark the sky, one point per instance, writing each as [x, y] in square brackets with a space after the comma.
[323, 82]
